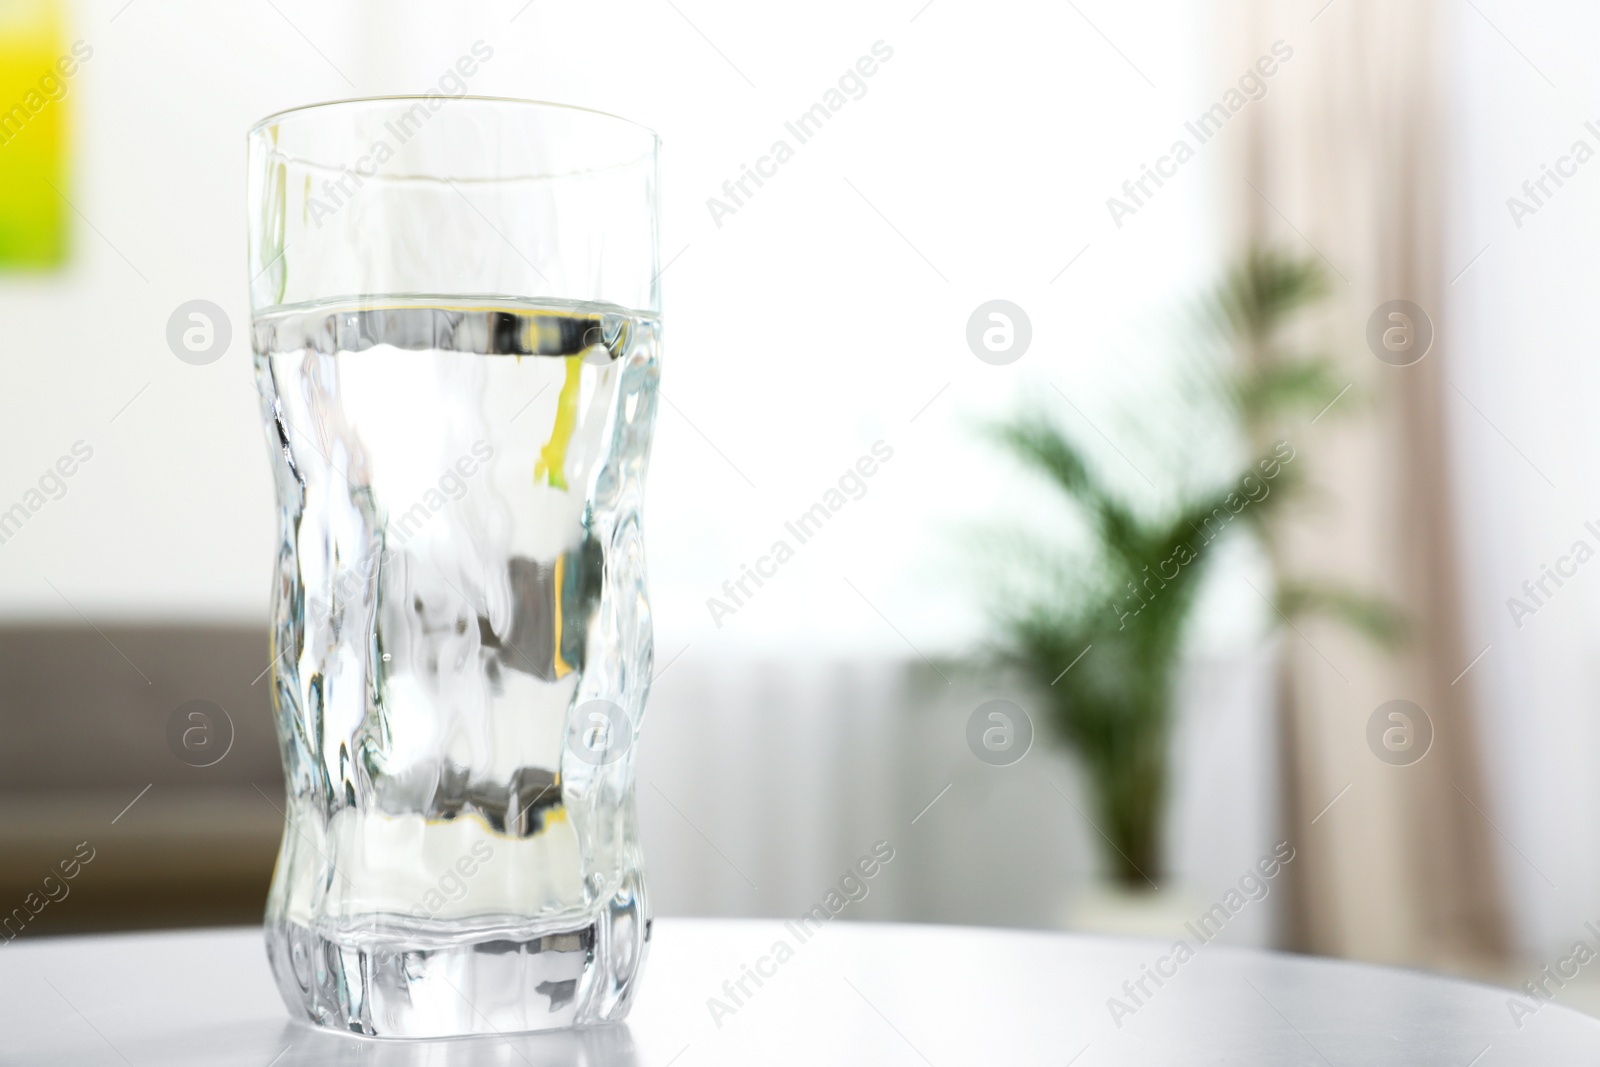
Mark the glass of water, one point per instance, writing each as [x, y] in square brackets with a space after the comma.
[456, 330]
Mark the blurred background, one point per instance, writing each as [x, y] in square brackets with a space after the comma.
[1081, 272]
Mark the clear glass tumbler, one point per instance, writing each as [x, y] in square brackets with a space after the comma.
[456, 330]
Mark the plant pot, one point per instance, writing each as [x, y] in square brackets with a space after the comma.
[1105, 908]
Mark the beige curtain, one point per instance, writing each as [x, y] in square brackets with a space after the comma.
[1342, 159]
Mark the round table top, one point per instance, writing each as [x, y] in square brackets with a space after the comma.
[852, 993]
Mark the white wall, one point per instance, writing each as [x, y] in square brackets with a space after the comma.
[799, 332]
[1519, 340]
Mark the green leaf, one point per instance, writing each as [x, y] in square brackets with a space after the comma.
[1050, 451]
[1264, 290]
[1278, 388]
[1373, 617]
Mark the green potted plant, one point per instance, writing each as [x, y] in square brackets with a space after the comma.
[1097, 622]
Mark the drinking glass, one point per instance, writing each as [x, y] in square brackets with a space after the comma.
[456, 329]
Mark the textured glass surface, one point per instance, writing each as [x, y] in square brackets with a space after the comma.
[455, 320]
[463, 653]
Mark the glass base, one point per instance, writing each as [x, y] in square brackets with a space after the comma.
[392, 978]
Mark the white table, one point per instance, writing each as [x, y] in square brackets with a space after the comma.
[855, 993]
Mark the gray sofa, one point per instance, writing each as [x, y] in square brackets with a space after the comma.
[90, 766]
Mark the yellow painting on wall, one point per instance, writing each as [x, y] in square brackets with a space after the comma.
[37, 68]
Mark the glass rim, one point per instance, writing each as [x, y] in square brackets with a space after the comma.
[519, 102]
